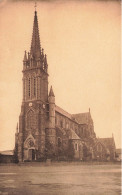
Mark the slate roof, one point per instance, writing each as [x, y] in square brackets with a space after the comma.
[69, 133]
[63, 112]
[73, 135]
[82, 118]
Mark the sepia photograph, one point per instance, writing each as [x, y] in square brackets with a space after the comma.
[60, 97]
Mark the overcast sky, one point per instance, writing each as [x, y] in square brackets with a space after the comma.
[82, 43]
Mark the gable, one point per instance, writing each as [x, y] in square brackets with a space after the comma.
[108, 142]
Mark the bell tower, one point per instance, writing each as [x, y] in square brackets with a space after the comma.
[33, 118]
[35, 76]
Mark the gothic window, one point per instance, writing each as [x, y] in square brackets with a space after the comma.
[31, 120]
[67, 125]
[56, 120]
[99, 148]
[29, 83]
[61, 123]
[76, 146]
[59, 142]
[30, 143]
[23, 88]
[34, 87]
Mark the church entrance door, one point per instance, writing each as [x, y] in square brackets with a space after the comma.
[31, 154]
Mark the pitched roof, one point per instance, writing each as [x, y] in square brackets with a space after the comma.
[67, 132]
[63, 112]
[108, 142]
[82, 118]
[73, 135]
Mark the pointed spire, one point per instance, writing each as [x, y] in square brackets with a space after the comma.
[25, 56]
[51, 92]
[28, 56]
[35, 44]
[42, 53]
[45, 59]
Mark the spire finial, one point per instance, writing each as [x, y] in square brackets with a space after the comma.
[45, 59]
[25, 56]
[51, 92]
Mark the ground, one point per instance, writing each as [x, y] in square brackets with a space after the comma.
[60, 179]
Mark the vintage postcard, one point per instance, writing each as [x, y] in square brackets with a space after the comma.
[60, 97]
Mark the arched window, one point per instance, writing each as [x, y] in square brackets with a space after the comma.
[24, 88]
[29, 86]
[31, 120]
[59, 141]
[56, 120]
[76, 146]
[99, 148]
[61, 123]
[30, 143]
[67, 125]
[34, 87]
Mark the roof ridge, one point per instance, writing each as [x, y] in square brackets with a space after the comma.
[105, 138]
[81, 113]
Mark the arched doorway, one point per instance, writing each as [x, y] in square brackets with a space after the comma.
[31, 154]
[29, 149]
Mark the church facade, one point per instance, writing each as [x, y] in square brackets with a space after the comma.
[45, 130]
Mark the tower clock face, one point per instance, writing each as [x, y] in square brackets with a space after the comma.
[30, 104]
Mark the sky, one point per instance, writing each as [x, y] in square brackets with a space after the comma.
[82, 43]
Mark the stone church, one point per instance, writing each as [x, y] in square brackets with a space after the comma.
[45, 130]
